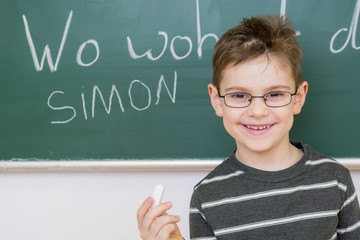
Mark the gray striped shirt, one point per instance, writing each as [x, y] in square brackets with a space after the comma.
[314, 199]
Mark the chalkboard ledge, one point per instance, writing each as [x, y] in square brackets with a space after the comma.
[130, 165]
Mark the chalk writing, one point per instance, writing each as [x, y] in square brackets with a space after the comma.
[135, 84]
[351, 32]
[162, 82]
[60, 108]
[107, 109]
[148, 93]
[47, 53]
[172, 49]
[81, 49]
[200, 42]
[283, 13]
[200, 38]
[148, 53]
[114, 92]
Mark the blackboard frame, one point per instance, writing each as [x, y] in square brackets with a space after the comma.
[352, 164]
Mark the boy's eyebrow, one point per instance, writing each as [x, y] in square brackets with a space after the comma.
[237, 89]
[286, 87]
[244, 89]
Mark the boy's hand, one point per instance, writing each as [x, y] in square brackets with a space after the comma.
[155, 223]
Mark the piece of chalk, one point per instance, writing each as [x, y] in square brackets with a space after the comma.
[158, 194]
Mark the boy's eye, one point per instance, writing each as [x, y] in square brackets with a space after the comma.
[274, 95]
[239, 95]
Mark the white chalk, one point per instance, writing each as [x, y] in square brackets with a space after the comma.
[158, 194]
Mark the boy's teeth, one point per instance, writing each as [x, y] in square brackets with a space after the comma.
[257, 128]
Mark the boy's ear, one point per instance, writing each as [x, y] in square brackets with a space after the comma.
[215, 100]
[299, 98]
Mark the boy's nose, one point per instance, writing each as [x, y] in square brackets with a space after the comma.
[258, 108]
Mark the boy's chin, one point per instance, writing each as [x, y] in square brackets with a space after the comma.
[259, 146]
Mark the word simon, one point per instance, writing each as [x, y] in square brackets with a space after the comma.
[114, 92]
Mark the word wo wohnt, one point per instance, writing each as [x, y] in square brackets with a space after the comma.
[135, 84]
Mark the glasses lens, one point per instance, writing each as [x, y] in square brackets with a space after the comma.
[238, 99]
[277, 99]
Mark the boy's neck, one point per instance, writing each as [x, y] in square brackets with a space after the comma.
[276, 159]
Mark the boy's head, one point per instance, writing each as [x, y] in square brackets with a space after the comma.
[257, 87]
[254, 37]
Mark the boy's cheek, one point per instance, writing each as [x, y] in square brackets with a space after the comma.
[231, 117]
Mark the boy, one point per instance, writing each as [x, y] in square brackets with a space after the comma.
[269, 188]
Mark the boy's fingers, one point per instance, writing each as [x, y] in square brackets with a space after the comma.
[162, 222]
[166, 231]
[155, 212]
[170, 232]
[155, 222]
[143, 209]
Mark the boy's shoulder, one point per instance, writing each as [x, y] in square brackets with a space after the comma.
[329, 166]
[221, 172]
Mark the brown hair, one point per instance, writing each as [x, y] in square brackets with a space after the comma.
[253, 37]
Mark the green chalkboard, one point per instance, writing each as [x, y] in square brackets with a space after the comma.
[126, 79]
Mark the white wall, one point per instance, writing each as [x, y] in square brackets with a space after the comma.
[88, 205]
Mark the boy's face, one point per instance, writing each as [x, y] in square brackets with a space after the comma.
[258, 128]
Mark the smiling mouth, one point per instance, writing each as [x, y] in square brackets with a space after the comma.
[257, 127]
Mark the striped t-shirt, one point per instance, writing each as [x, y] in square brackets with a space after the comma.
[313, 199]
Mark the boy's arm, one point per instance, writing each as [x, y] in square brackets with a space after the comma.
[199, 228]
[349, 215]
[155, 224]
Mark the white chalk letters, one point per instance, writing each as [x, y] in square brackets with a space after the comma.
[351, 31]
[47, 52]
[97, 95]
[200, 42]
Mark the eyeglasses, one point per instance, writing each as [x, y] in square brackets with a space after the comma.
[271, 99]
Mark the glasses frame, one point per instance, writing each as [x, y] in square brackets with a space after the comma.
[263, 97]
